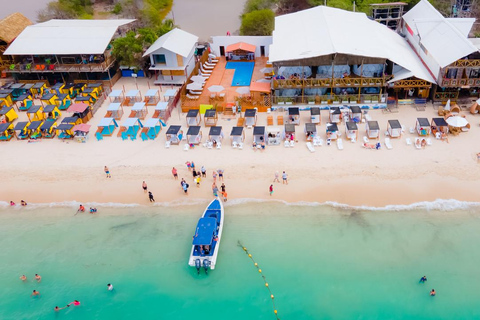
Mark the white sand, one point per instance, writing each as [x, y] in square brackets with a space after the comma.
[55, 171]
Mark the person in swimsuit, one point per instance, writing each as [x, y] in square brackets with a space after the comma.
[204, 172]
[433, 293]
[23, 278]
[271, 189]
[74, 302]
[144, 186]
[284, 177]
[220, 174]
[224, 195]
[214, 175]
[38, 278]
[12, 203]
[23, 203]
[35, 293]
[174, 172]
[93, 210]
[110, 287]
[423, 279]
[107, 172]
[222, 187]
[81, 208]
[58, 309]
[150, 197]
[276, 177]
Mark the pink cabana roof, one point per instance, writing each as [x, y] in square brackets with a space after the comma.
[78, 107]
[82, 127]
[241, 46]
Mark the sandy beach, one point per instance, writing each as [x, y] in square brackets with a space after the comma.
[56, 171]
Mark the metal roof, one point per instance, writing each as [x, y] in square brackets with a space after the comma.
[215, 131]
[394, 124]
[351, 125]
[193, 131]
[236, 131]
[258, 131]
[176, 41]
[173, 129]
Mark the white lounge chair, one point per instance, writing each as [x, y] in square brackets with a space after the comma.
[205, 71]
[340, 144]
[234, 144]
[167, 144]
[286, 144]
[209, 64]
[219, 145]
[209, 145]
[191, 97]
[408, 141]
[205, 75]
[207, 67]
[411, 130]
[365, 139]
[186, 147]
[317, 142]
[310, 147]
[240, 145]
[429, 142]
[195, 93]
[388, 144]
[292, 143]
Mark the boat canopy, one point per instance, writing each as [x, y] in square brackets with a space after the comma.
[204, 232]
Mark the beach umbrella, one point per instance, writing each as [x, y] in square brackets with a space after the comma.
[457, 122]
[266, 70]
[216, 88]
[198, 79]
[243, 90]
[447, 106]
[194, 86]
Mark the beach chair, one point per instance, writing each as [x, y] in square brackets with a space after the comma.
[99, 136]
[365, 139]
[388, 144]
[340, 144]
[212, 65]
[310, 147]
[207, 67]
[209, 145]
[234, 144]
[280, 120]
[144, 136]
[317, 142]
[219, 145]
[292, 143]
[186, 147]
[240, 145]
[240, 122]
[124, 136]
[286, 144]
[408, 141]
[269, 120]
[411, 130]
[189, 96]
[429, 142]
[167, 144]
[205, 71]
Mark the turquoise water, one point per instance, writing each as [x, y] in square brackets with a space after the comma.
[243, 73]
[321, 263]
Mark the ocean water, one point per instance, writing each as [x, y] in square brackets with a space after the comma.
[321, 262]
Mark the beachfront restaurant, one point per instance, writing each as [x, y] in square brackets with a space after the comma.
[310, 131]
[64, 131]
[22, 131]
[250, 117]
[174, 134]
[422, 127]
[151, 129]
[394, 128]
[373, 130]
[315, 115]
[152, 97]
[351, 130]
[335, 115]
[114, 110]
[7, 114]
[210, 117]
[194, 135]
[332, 131]
[130, 129]
[439, 125]
[274, 135]
[293, 116]
[215, 134]
[259, 136]
[193, 117]
[139, 110]
[106, 127]
[6, 131]
[237, 136]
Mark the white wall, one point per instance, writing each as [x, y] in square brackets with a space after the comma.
[170, 58]
[257, 41]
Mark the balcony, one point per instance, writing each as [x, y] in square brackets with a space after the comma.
[328, 83]
[463, 82]
[61, 67]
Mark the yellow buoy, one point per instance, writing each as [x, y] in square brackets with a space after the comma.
[271, 296]
[275, 311]
[256, 264]
[266, 284]
[249, 255]
[244, 249]
[260, 270]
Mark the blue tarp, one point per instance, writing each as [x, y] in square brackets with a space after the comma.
[204, 232]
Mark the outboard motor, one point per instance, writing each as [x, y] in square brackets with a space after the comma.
[206, 265]
[198, 265]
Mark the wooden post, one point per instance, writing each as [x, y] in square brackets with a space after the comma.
[360, 88]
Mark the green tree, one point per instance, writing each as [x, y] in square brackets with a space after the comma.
[255, 5]
[258, 23]
[128, 50]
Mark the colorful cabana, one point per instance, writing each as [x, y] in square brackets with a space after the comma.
[63, 101]
[27, 89]
[17, 89]
[6, 131]
[116, 96]
[130, 128]
[38, 89]
[92, 92]
[22, 131]
[237, 135]
[97, 88]
[210, 117]
[310, 131]
[373, 130]
[51, 112]
[160, 110]
[24, 102]
[88, 100]
[332, 131]
[215, 134]
[106, 127]
[35, 113]
[151, 129]
[57, 87]
[274, 135]
[78, 88]
[194, 135]
[193, 117]
[315, 117]
[439, 125]
[139, 110]
[81, 131]
[289, 132]
[423, 127]
[68, 90]
[355, 114]
[48, 129]
[81, 111]
[258, 135]
[152, 97]
[335, 115]
[64, 131]
[34, 129]
[6, 97]
[72, 120]
[131, 97]
[114, 110]
[170, 94]
[293, 115]
[48, 98]
[7, 114]
[174, 134]
[250, 117]
[351, 130]
[394, 129]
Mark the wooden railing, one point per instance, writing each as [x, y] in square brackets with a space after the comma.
[460, 82]
[328, 82]
[466, 63]
[409, 83]
[59, 67]
[330, 99]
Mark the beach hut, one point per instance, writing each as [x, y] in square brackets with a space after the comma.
[92, 92]
[24, 102]
[78, 88]
[34, 129]
[310, 131]
[64, 131]
[68, 90]
[289, 132]
[139, 110]
[332, 131]
[7, 114]
[258, 135]
[48, 98]
[174, 134]
[335, 115]
[194, 135]
[51, 112]
[251, 117]
[6, 97]
[114, 110]
[237, 135]
[423, 127]
[27, 89]
[315, 117]
[131, 97]
[57, 87]
[351, 130]
[439, 125]
[373, 130]
[151, 129]
[82, 111]
[22, 131]
[210, 117]
[106, 127]
[130, 128]
[170, 94]
[274, 135]
[80, 132]
[215, 134]
[72, 120]
[355, 114]
[38, 89]
[160, 110]
[63, 101]
[116, 96]
[152, 97]
[394, 129]
[6, 131]
[97, 88]
[88, 100]
[293, 116]
[48, 129]
[17, 89]
[35, 113]
[193, 117]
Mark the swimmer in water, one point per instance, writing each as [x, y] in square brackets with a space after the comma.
[38, 278]
[35, 293]
[433, 293]
[23, 278]
[423, 279]
[58, 309]
[74, 302]
[110, 287]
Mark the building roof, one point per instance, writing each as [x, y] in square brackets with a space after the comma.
[241, 46]
[12, 26]
[66, 37]
[445, 39]
[176, 41]
[321, 34]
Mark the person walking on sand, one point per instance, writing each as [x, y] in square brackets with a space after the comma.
[174, 172]
[144, 186]
[204, 172]
[220, 174]
[222, 187]
[192, 165]
[214, 176]
[37, 277]
[188, 164]
[276, 177]
[215, 190]
[23, 203]
[185, 188]
[271, 189]
[284, 177]
[107, 172]
[224, 195]
[150, 197]
[197, 181]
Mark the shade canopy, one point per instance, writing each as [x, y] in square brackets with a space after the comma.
[198, 79]
[21, 125]
[78, 107]
[83, 127]
[332, 127]
[192, 113]
[173, 129]
[243, 90]
[258, 131]
[310, 127]
[250, 113]
[439, 122]
[289, 128]
[162, 105]
[194, 86]
[193, 131]
[215, 131]
[423, 122]
[114, 106]
[315, 111]
[105, 122]
[264, 87]
[355, 109]
[293, 111]
[132, 93]
[236, 131]
[47, 125]
[457, 121]
[34, 109]
[241, 46]
[69, 119]
[35, 124]
[373, 125]
[152, 123]
[5, 110]
[394, 124]
[210, 113]
[216, 88]
[138, 106]
[49, 108]
[4, 126]
[351, 126]
[115, 93]
[65, 126]
[131, 122]
[204, 232]
[335, 110]
[151, 93]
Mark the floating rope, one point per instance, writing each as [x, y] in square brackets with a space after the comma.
[264, 279]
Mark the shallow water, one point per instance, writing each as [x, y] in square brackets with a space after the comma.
[321, 263]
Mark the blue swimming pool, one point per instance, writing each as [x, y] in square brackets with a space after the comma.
[243, 73]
